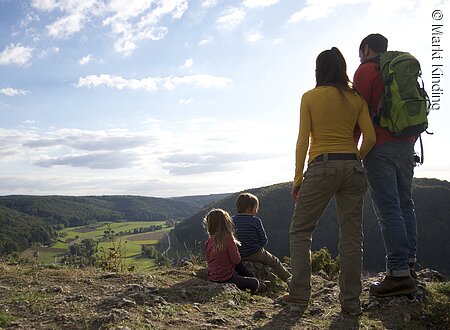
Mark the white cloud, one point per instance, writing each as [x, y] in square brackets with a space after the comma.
[208, 3]
[206, 41]
[29, 18]
[76, 14]
[198, 80]
[317, 9]
[186, 101]
[47, 52]
[259, 3]
[231, 18]
[85, 59]
[254, 37]
[67, 25]
[167, 158]
[125, 10]
[94, 160]
[147, 84]
[46, 5]
[88, 140]
[12, 91]
[131, 21]
[151, 84]
[30, 122]
[15, 54]
[187, 64]
[186, 164]
[148, 19]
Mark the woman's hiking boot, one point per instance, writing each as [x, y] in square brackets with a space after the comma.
[288, 299]
[393, 286]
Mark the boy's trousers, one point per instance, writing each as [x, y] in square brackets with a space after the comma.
[266, 258]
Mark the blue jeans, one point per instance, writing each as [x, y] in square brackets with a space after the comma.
[390, 171]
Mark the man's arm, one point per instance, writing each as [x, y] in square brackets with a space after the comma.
[363, 82]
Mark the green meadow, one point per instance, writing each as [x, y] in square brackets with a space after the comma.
[130, 243]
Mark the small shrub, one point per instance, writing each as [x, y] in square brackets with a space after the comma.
[321, 260]
[196, 255]
[112, 259]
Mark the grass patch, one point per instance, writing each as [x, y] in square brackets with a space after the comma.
[438, 304]
[6, 319]
[169, 310]
[240, 297]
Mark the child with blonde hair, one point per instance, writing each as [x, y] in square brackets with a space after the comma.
[222, 252]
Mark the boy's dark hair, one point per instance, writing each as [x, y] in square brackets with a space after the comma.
[331, 70]
[377, 42]
[246, 202]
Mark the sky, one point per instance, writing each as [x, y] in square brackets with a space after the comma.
[180, 97]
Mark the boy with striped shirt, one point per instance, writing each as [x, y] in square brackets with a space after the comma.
[250, 232]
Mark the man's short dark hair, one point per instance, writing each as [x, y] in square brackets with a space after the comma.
[377, 42]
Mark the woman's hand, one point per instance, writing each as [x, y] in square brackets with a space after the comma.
[294, 192]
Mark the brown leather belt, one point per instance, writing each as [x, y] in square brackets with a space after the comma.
[321, 157]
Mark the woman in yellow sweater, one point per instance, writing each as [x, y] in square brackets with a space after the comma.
[329, 114]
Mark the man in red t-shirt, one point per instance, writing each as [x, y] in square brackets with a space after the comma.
[390, 171]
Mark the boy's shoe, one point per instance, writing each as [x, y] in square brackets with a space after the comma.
[393, 286]
[288, 299]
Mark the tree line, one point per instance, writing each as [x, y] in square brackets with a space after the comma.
[25, 220]
[432, 201]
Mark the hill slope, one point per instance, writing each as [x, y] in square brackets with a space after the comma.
[76, 211]
[34, 219]
[18, 231]
[432, 199]
[168, 298]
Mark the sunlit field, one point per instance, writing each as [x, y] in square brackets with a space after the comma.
[130, 244]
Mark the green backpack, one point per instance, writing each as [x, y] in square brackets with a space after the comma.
[405, 104]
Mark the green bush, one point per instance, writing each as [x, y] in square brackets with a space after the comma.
[321, 260]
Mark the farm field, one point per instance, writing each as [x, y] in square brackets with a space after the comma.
[131, 242]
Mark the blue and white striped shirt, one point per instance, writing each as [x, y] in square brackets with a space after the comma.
[250, 232]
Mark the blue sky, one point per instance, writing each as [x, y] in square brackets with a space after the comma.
[179, 97]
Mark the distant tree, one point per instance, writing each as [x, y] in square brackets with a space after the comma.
[149, 251]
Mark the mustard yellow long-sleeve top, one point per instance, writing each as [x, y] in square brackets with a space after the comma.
[327, 124]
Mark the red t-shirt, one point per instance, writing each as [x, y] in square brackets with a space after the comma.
[367, 81]
[221, 264]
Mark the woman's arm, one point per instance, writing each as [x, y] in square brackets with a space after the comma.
[302, 145]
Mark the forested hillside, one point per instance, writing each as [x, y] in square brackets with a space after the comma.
[18, 231]
[77, 211]
[432, 199]
[34, 219]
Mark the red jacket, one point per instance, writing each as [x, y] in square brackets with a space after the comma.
[367, 81]
[221, 264]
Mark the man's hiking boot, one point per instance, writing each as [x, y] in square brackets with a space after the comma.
[412, 273]
[350, 313]
[288, 299]
[393, 286]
